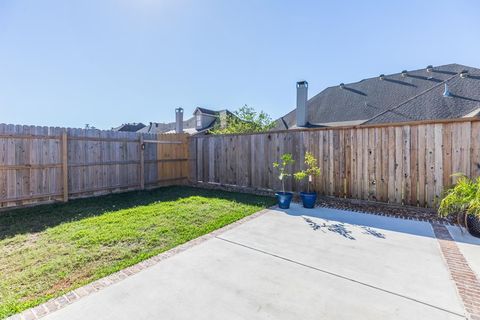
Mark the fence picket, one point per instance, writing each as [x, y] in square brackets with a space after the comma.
[407, 163]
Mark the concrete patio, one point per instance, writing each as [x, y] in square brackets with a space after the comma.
[295, 264]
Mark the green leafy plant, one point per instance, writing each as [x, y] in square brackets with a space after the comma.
[462, 199]
[286, 160]
[311, 170]
[245, 120]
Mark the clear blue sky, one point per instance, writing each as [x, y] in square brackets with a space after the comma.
[106, 62]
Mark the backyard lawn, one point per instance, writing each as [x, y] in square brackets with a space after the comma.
[48, 250]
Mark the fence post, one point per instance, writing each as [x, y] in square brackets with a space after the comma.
[190, 163]
[193, 160]
[142, 163]
[65, 165]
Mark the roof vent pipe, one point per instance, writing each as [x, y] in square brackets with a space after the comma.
[382, 76]
[429, 68]
[179, 120]
[447, 92]
[342, 85]
[404, 73]
[302, 97]
[464, 74]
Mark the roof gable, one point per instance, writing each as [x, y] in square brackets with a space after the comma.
[205, 111]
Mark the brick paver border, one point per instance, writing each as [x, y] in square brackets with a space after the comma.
[72, 296]
[467, 283]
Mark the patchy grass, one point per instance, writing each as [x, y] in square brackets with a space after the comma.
[48, 250]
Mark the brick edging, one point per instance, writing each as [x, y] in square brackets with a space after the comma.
[389, 215]
[467, 283]
[378, 208]
[97, 285]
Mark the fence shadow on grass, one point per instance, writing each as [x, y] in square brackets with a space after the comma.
[39, 218]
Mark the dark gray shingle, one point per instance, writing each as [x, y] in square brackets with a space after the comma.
[370, 99]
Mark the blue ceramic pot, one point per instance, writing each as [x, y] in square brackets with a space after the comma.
[308, 199]
[284, 199]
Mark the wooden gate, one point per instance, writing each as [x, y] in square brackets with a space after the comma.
[170, 160]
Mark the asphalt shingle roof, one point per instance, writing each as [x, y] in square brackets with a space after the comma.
[464, 98]
[156, 127]
[129, 127]
[207, 111]
[189, 125]
[416, 96]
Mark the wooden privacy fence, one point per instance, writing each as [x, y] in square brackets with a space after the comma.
[42, 164]
[409, 163]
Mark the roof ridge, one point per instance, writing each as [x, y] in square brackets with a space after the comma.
[411, 98]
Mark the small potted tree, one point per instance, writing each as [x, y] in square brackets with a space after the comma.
[284, 198]
[312, 170]
[463, 200]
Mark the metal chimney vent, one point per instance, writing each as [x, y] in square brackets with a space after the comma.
[302, 97]
[447, 92]
[179, 120]
[429, 68]
[464, 74]
[382, 76]
[342, 85]
[404, 73]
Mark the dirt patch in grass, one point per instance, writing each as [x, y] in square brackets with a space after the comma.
[48, 250]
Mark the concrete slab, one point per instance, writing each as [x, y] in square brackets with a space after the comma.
[469, 246]
[400, 256]
[314, 264]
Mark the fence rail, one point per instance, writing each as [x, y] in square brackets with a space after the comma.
[44, 164]
[409, 163]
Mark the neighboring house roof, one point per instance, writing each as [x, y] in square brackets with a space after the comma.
[414, 95]
[464, 100]
[207, 111]
[189, 125]
[158, 127]
[191, 131]
[129, 127]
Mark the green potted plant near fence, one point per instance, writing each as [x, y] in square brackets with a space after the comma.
[284, 198]
[463, 200]
[311, 170]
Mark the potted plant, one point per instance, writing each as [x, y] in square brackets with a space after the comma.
[308, 198]
[463, 200]
[284, 198]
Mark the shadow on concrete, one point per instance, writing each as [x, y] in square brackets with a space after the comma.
[341, 229]
[461, 235]
[338, 221]
[338, 228]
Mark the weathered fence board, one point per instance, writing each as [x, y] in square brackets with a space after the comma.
[408, 163]
[42, 164]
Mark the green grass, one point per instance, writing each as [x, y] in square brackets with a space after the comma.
[48, 250]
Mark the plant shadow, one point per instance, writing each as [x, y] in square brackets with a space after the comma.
[371, 223]
[338, 228]
[341, 229]
[41, 217]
